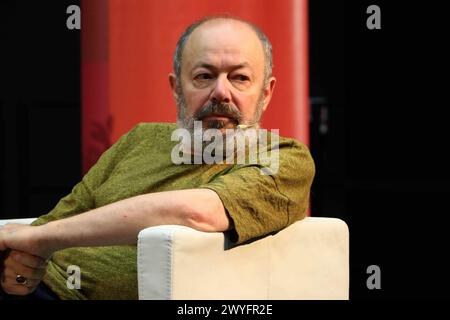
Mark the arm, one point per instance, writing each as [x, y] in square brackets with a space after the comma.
[119, 223]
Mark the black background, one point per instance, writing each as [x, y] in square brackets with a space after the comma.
[382, 164]
[39, 106]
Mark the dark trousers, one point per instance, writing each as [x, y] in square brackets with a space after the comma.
[42, 292]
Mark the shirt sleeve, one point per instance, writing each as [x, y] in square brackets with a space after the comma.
[261, 204]
[81, 198]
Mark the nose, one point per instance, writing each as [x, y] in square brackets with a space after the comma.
[221, 91]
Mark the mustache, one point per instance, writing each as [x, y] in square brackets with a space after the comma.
[219, 108]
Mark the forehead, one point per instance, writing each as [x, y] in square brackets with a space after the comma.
[223, 42]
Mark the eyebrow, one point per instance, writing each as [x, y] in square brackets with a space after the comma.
[212, 67]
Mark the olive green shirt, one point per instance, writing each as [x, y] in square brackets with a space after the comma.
[140, 162]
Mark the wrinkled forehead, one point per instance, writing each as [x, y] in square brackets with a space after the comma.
[224, 41]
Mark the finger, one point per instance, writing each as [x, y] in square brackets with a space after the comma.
[29, 275]
[29, 260]
[12, 288]
[12, 268]
[11, 281]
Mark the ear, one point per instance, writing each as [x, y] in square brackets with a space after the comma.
[268, 91]
[173, 85]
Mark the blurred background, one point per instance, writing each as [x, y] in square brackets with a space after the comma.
[366, 102]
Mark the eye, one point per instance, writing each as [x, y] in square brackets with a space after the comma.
[203, 76]
[241, 77]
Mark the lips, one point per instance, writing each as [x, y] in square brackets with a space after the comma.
[217, 117]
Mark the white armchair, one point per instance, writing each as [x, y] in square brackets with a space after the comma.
[307, 260]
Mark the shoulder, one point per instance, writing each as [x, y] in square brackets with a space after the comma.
[286, 142]
[295, 154]
[290, 146]
[150, 131]
[154, 127]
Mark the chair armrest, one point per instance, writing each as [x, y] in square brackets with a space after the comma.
[307, 260]
[22, 221]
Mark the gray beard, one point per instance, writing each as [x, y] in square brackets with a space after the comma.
[187, 121]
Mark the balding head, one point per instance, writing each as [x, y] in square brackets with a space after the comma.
[183, 40]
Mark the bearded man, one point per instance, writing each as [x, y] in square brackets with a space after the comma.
[222, 79]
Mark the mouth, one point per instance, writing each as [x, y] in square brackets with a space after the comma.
[217, 117]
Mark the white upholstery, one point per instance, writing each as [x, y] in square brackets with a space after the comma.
[22, 221]
[308, 260]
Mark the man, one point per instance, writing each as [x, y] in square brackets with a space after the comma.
[222, 79]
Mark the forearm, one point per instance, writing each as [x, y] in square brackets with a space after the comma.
[119, 223]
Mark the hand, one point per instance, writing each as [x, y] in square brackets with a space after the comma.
[25, 238]
[26, 256]
[31, 267]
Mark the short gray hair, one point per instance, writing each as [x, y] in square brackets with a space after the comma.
[267, 46]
